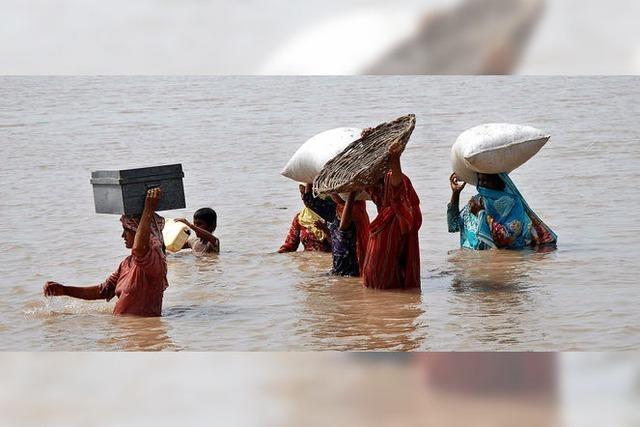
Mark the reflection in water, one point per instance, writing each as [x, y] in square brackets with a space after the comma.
[341, 314]
[495, 287]
[584, 296]
[489, 270]
[139, 334]
[185, 265]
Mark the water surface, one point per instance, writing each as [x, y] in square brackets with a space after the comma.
[234, 134]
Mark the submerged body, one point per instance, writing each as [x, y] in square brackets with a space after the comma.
[141, 278]
[344, 240]
[202, 241]
[139, 283]
[304, 231]
[497, 217]
[393, 252]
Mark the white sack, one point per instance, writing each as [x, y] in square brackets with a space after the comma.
[308, 161]
[494, 148]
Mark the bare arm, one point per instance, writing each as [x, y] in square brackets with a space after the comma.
[200, 232]
[456, 189]
[395, 151]
[87, 293]
[347, 213]
[453, 209]
[143, 234]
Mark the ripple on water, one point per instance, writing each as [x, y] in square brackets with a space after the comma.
[234, 135]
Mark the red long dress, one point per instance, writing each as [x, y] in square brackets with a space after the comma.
[361, 220]
[393, 252]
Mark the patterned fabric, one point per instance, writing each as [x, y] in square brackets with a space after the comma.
[202, 247]
[343, 242]
[393, 253]
[541, 233]
[467, 224]
[157, 224]
[139, 283]
[504, 221]
[298, 234]
[308, 219]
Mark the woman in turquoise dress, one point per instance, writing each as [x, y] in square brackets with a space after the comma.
[497, 217]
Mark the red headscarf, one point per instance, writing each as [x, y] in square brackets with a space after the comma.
[157, 224]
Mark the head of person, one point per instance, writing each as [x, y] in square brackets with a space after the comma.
[490, 181]
[130, 227]
[129, 236]
[206, 218]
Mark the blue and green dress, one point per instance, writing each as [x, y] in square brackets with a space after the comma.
[506, 222]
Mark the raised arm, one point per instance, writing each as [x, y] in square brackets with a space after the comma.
[453, 209]
[347, 212]
[395, 151]
[456, 189]
[200, 232]
[143, 234]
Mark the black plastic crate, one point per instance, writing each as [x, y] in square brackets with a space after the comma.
[123, 191]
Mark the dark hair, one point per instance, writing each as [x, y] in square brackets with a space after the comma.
[207, 215]
[495, 179]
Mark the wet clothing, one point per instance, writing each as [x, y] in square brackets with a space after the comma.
[505, 221]
[393, 253]
[202, 247]
[466, 223]
[157, 224]
[139, 283]
[310, 238]
[307, 219]
[360, 218]
[343, 242]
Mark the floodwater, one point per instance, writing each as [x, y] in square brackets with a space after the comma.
[234, 134]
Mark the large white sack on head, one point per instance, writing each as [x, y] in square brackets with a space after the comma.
[494, 148]
[308, 161]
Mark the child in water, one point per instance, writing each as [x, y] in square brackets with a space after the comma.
[202, 241]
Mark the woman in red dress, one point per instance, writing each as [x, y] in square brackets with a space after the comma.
[393, 254]
[140, 280]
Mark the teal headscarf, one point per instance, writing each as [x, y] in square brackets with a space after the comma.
[520, 225]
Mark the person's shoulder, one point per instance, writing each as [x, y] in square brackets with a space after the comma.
[154, 253]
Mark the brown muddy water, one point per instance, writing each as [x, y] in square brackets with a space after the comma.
[234, 134]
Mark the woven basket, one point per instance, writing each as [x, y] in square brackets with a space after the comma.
[365, 161]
